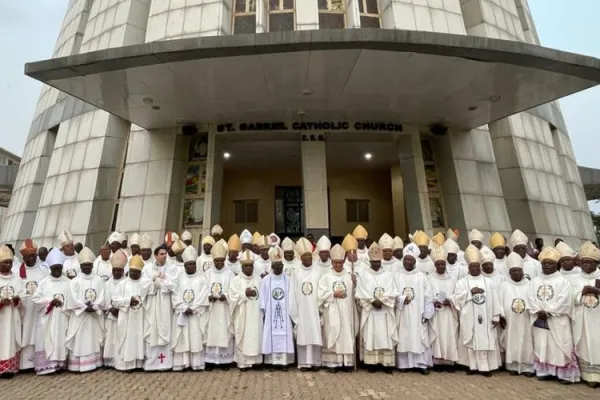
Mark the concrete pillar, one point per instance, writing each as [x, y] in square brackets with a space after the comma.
[153, 182]
[307, 15]
[352, 14]
[399, 211]
[314, 176]
[416, 199]
[214, 183]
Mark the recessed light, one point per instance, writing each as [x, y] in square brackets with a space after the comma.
[472, 108]
[147, 100]
[226, 155]
[494, 98]
[301, 113]
[306, 92]
[156, 108]
[368, 156]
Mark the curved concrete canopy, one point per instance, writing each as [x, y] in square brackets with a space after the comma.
[360, 74]
[590, 178]
[8, 176]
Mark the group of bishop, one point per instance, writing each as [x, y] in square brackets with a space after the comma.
[257, 300]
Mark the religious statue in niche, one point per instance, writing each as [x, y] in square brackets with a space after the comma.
[198, 147]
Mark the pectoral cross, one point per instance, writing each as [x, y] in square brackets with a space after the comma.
[162, 357]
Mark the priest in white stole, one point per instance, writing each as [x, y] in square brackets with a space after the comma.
[322, 258]
[50, 297]
[32, 274]
[85, 335]
[304, 308]
[111, 312]
[455, 265]
[476, 298]
[443, 326]
[205, 260]
[516, 337]
[424, 262]
[278, 333]
[131, 297]
[219, 340]
[551, 306]
[12, 289]
[340, 320]
[414, 308]
[190, 305]
[246, 318]
[163, 276]
[586, 320]
[376, 293]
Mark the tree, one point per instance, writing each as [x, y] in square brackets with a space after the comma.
[596, 222]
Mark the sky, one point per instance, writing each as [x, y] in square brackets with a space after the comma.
[29, 28]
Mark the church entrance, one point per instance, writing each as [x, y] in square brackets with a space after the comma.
[289, 211]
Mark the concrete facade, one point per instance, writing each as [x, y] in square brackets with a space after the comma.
[90, 171]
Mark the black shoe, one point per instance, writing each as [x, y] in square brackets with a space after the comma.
[471, 372]
[424, 371]
[487, 374]
[315, 369]
[402, 370]
[451, 369]
[545, 378]
[592, 385]
[513, 373]
[244, 369]
[348, 369]
[565, 382]
[284, 369]
[388, 371]
[332, 370]
[371, 370]
[304, 369]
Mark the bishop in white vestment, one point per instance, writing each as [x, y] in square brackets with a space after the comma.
[262, 263]
[163, 276]
[531, 267]
[219, 340]
[190, 305]
[340, 320]
[71, 264]
[131, 298]
[566, 264]
[362, 252]
[85, 335]
[290, 262]
[205, 260]
[102, 264]
[498, 246]
[32, 274]
[278, 333]
[12, 289]
[516, 338]
[376, 293]
[586, 320]
[111, 311]
[304, 308]
[389, 262]
[322, 260]
[550, 306]
[50, 297]
[424, 263]
[455, 266]
[246, 318]
[414, 309]
[487, 266]
[443, 325]
[476, 298]
[177, 249]
[234, 246]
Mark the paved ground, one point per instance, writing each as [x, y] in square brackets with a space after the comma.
[255, 385]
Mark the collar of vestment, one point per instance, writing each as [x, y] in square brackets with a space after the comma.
[86, 276]
[523, 281]
[246, 277]
[61, 278]
[379, 271]
[341, 273]
[571, 272]
[595, 274]
[441, 277]
[306, 268]
[407, 272]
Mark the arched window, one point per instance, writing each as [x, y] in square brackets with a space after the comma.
[369, 14]
[332, 14]
[244, 16]
[281, 15]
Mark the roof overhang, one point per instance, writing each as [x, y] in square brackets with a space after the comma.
[410, 77]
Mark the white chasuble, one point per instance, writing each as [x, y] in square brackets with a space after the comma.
[11, 286]
[516, 339]
[586, 327]
[132, 323]
[102, 268]
[261, 267]
[71, 266]
[189, 331]
[478, 340]
[160, 313]
[278, 335]
[377, 326]
[34, 276]
[414, 346]
[571, 275]
[425, 265]
[50, 350]
[246, 320]
[85, 335]
[443, 326]
[304, 311]
[204, 262]
[340, 320]
[553, 339]
[219, 340]
[110, 322]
